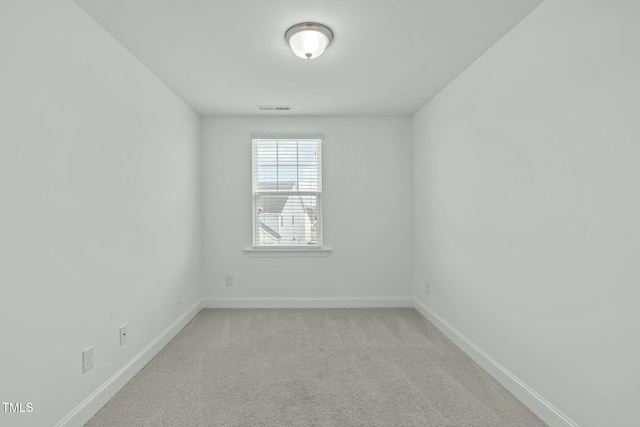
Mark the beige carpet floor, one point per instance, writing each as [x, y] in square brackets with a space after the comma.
[312, 367]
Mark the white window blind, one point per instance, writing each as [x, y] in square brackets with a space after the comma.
[287, 193]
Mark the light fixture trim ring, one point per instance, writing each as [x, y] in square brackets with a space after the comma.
[309, 26]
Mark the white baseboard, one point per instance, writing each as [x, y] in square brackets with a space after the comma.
[538, 404]
[302, 302]
[92, 404]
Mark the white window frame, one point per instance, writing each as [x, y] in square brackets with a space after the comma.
[283, 250]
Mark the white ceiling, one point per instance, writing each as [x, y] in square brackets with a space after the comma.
[388, 57]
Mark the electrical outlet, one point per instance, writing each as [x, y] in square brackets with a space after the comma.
[123, 334]
[87, 359]
[426, 287]
[228, 281]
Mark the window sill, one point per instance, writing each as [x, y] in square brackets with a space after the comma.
[287, 253]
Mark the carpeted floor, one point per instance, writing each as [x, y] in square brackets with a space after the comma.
[312, 367]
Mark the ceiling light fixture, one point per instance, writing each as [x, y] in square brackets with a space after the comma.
[308, 40]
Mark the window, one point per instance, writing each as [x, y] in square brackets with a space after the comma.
[287, 193]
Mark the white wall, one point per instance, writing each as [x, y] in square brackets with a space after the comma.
[99, 206]
[527, 206]
[366, 203]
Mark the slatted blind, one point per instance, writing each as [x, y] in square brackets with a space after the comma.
[287, 193]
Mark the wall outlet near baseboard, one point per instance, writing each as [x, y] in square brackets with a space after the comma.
[228, 281]
[427, 287]
[87, 359]
[124, 335]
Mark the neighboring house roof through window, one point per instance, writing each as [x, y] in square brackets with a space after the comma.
[270, 231]
[276, 203]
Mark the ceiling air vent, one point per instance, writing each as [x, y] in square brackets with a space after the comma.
[274, 107]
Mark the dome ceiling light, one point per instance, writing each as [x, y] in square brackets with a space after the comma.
[308, 40]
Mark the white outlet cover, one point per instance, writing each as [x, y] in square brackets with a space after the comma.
[124, 335]
[87, 359]
[228, 280]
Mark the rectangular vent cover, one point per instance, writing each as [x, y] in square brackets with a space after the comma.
[274, 107]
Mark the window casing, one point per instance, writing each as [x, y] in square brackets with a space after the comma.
[287, 193]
